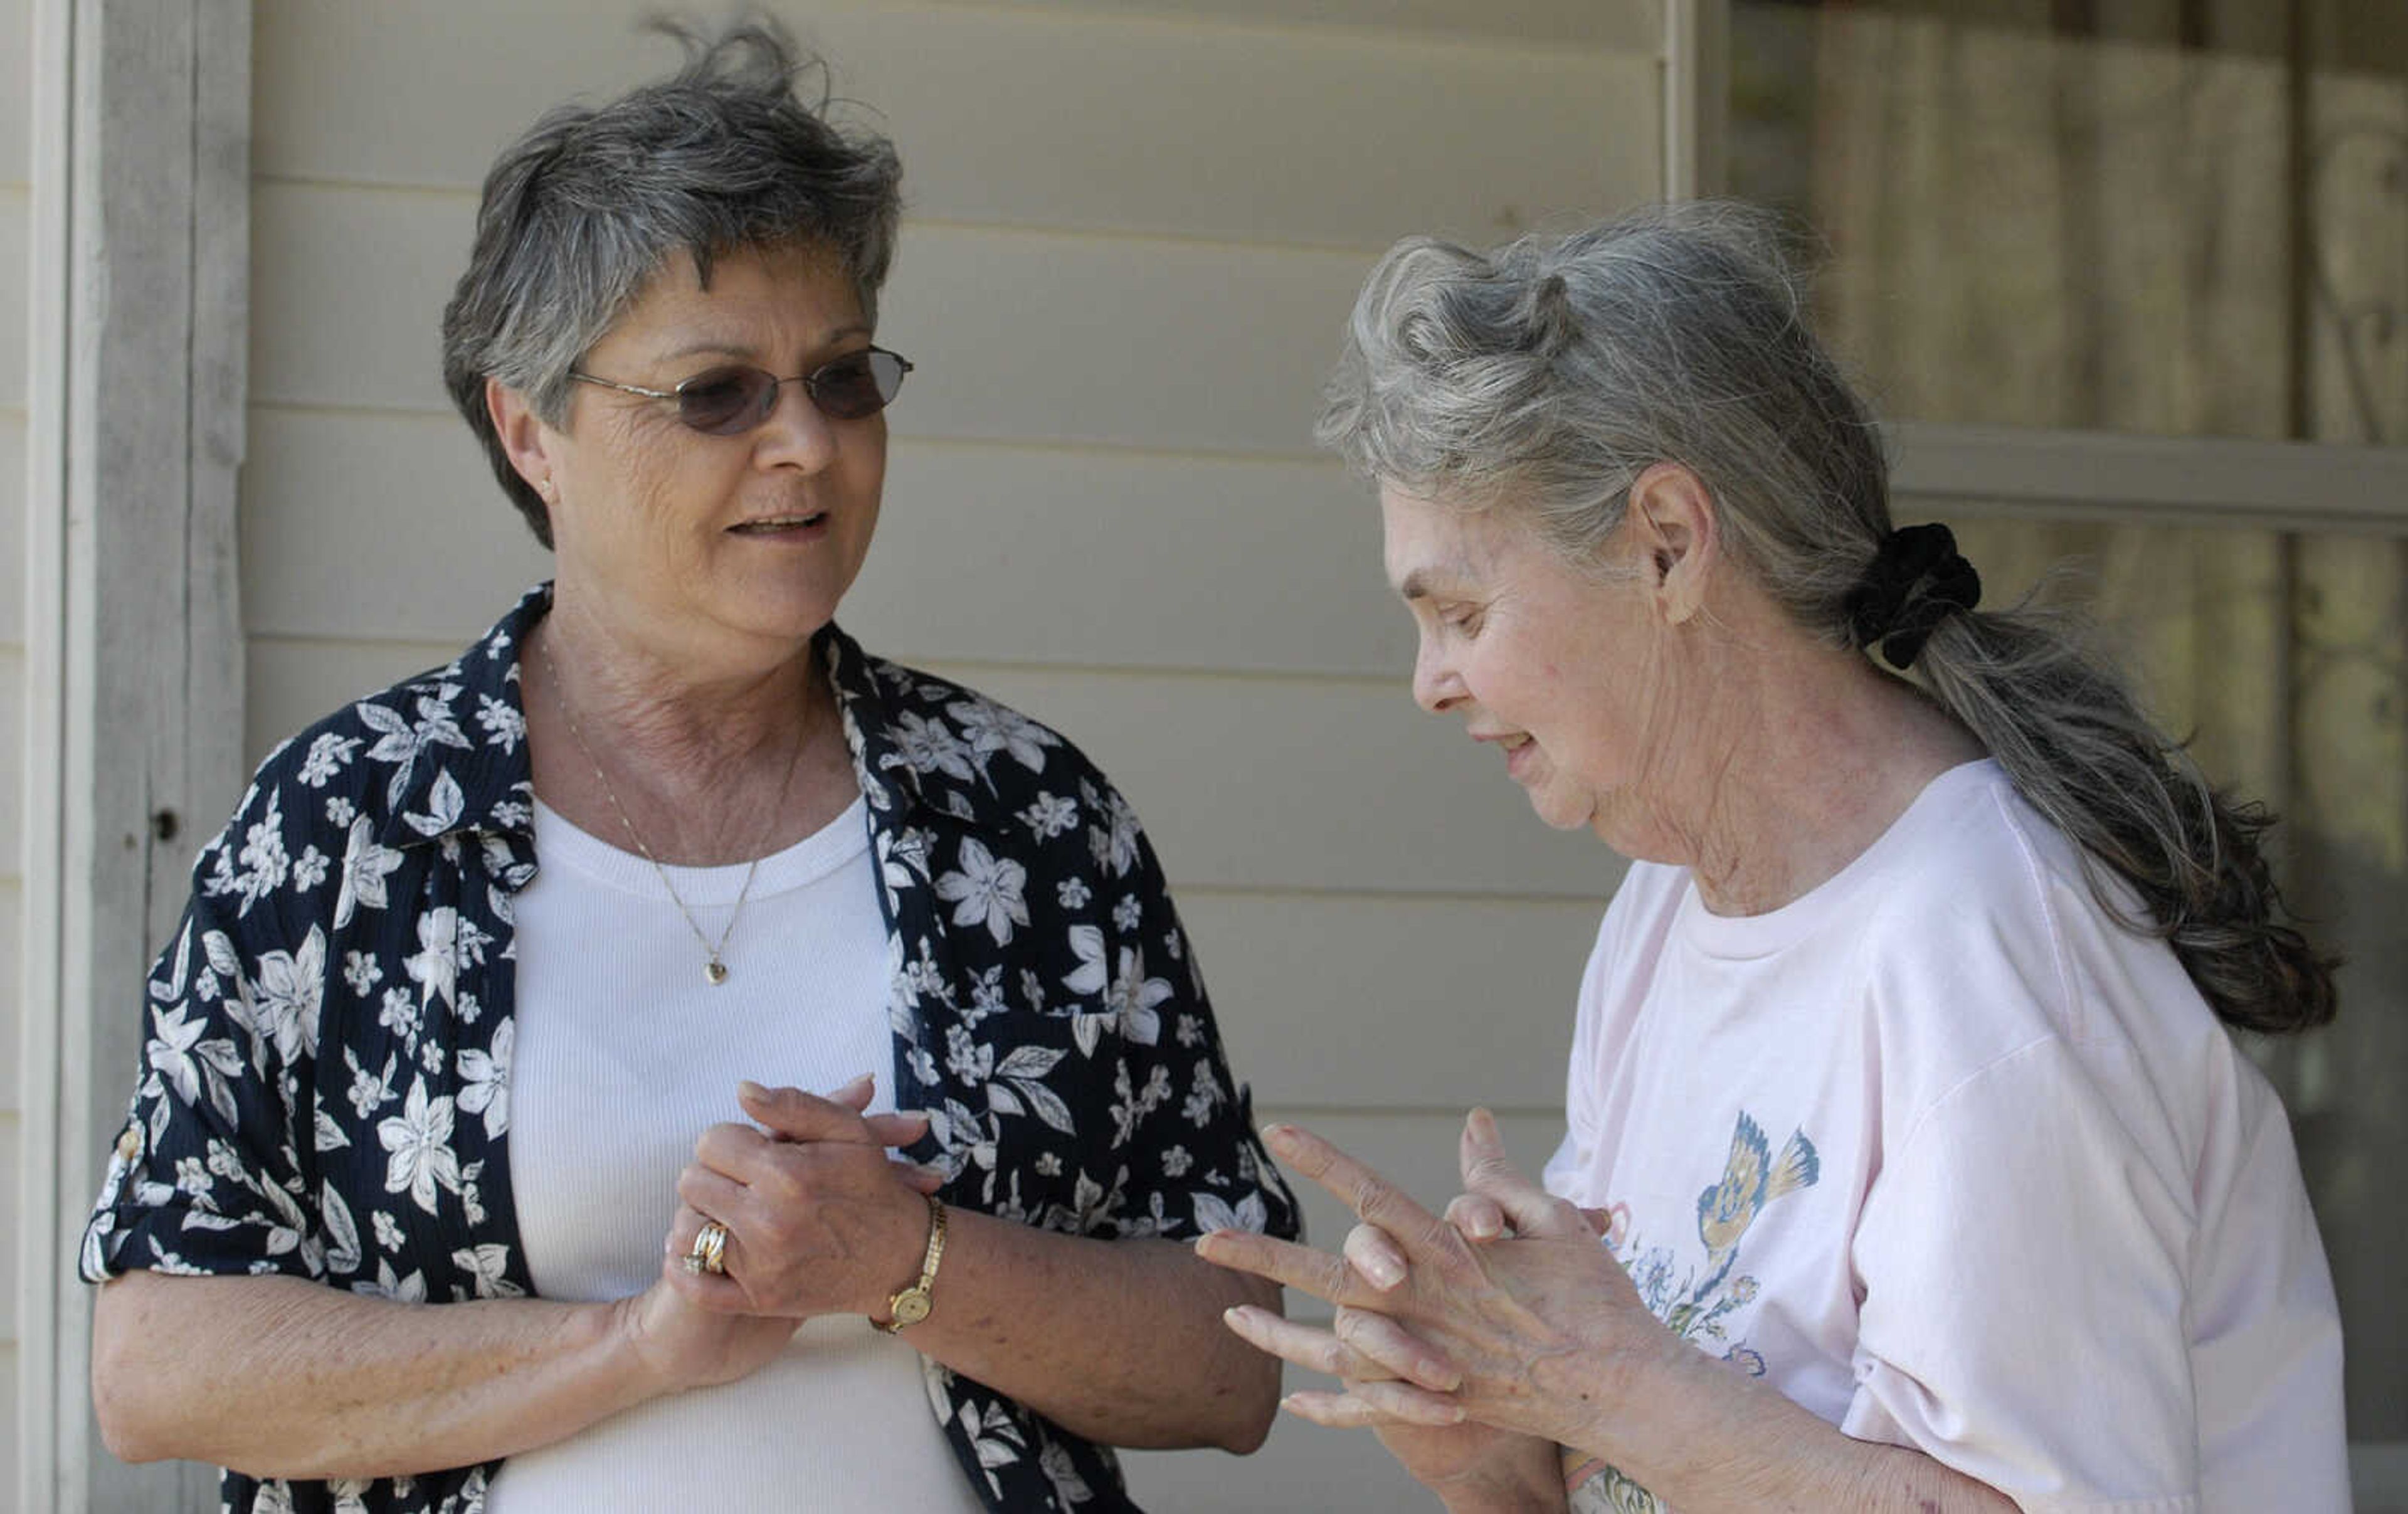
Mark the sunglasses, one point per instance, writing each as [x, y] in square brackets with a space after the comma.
[725, 401]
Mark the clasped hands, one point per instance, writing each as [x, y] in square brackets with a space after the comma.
[1506, 1313]
[820, 1220]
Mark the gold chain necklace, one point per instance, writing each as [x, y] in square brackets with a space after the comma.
[714, 970]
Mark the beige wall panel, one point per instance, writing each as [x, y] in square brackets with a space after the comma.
[10, 1177]
[1359, 1002]
[12, 927]
[1299, 784]
[346, 292]
[1046, 555]
[16, 228]
[1021, 336]
[12, 771]
[16, 50]
[1307, 784]
[9, 1414]
[386, 525]
[12, 530]
[1094, 119]
[1126, 342]
[375, 527]
[1250, 134]
[16, 105]
[1624, 25]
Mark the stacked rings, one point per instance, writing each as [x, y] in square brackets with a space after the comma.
[709, 1253]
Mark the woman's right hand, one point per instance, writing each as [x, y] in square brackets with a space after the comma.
[1470, 1465]
[683, 1346]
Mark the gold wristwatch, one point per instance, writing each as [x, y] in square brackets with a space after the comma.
[913, 1305]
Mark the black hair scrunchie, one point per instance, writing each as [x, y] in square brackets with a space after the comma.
[1915, 580]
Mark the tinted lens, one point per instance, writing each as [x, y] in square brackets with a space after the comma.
[726, 400]
[858, 385]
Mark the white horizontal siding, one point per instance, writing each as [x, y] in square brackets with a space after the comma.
[16, 224]
[1315, 992]
[12, 791]
[11, 1179]
[326, 494]
[1307, 784]
[1021, 334]
[1628, 25]
[9, 1406]
[1031, 554]
[1098, 119]
[16, 113]
[12, 542]
[12, 1098]
[16, 173]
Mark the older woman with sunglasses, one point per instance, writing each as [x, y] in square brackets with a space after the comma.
[1910, 1163]
[670, 1058]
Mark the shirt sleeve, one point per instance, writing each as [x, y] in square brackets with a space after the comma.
[2022, 1257]
[207, 1178]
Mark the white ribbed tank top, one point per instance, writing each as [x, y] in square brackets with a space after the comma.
[624, 1054]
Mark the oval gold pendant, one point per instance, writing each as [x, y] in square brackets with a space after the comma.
[716, 972]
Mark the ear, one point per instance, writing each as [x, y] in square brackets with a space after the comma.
[1676, 537]
[531, 447]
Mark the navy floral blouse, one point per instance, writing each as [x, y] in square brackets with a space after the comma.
[324, 1088]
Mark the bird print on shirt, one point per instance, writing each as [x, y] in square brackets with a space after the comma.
[1698, 1306]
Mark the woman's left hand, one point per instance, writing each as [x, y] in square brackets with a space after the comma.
[820, 1220]
[1538, 1329]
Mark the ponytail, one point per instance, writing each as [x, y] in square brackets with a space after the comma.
[2065, 725]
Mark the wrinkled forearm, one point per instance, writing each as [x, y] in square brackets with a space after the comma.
[276, 1377]
[1704, 1439]
[1120, 1341]
[1530, 1483]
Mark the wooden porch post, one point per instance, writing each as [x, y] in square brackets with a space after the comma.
[139, 277]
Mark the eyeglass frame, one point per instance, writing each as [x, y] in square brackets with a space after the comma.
[809, 381]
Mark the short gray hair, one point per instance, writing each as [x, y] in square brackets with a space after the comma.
[581, 211]
[1546, 377]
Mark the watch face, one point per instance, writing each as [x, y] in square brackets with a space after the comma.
[910, 1307]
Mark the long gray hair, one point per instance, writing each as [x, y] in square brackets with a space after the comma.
[1544, 377]
[582, 209]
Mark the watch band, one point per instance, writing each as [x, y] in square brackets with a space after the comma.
[912, 1306]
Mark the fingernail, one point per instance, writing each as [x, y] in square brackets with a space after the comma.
[1288, 1404]
[1440, 1376]
[1382, 1272]
[750, 1089]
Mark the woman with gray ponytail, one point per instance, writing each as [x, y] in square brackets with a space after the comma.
[1911, 1163]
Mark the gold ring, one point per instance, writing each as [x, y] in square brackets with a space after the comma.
[710, 1251]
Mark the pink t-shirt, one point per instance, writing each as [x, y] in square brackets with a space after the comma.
[1954, 1160]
